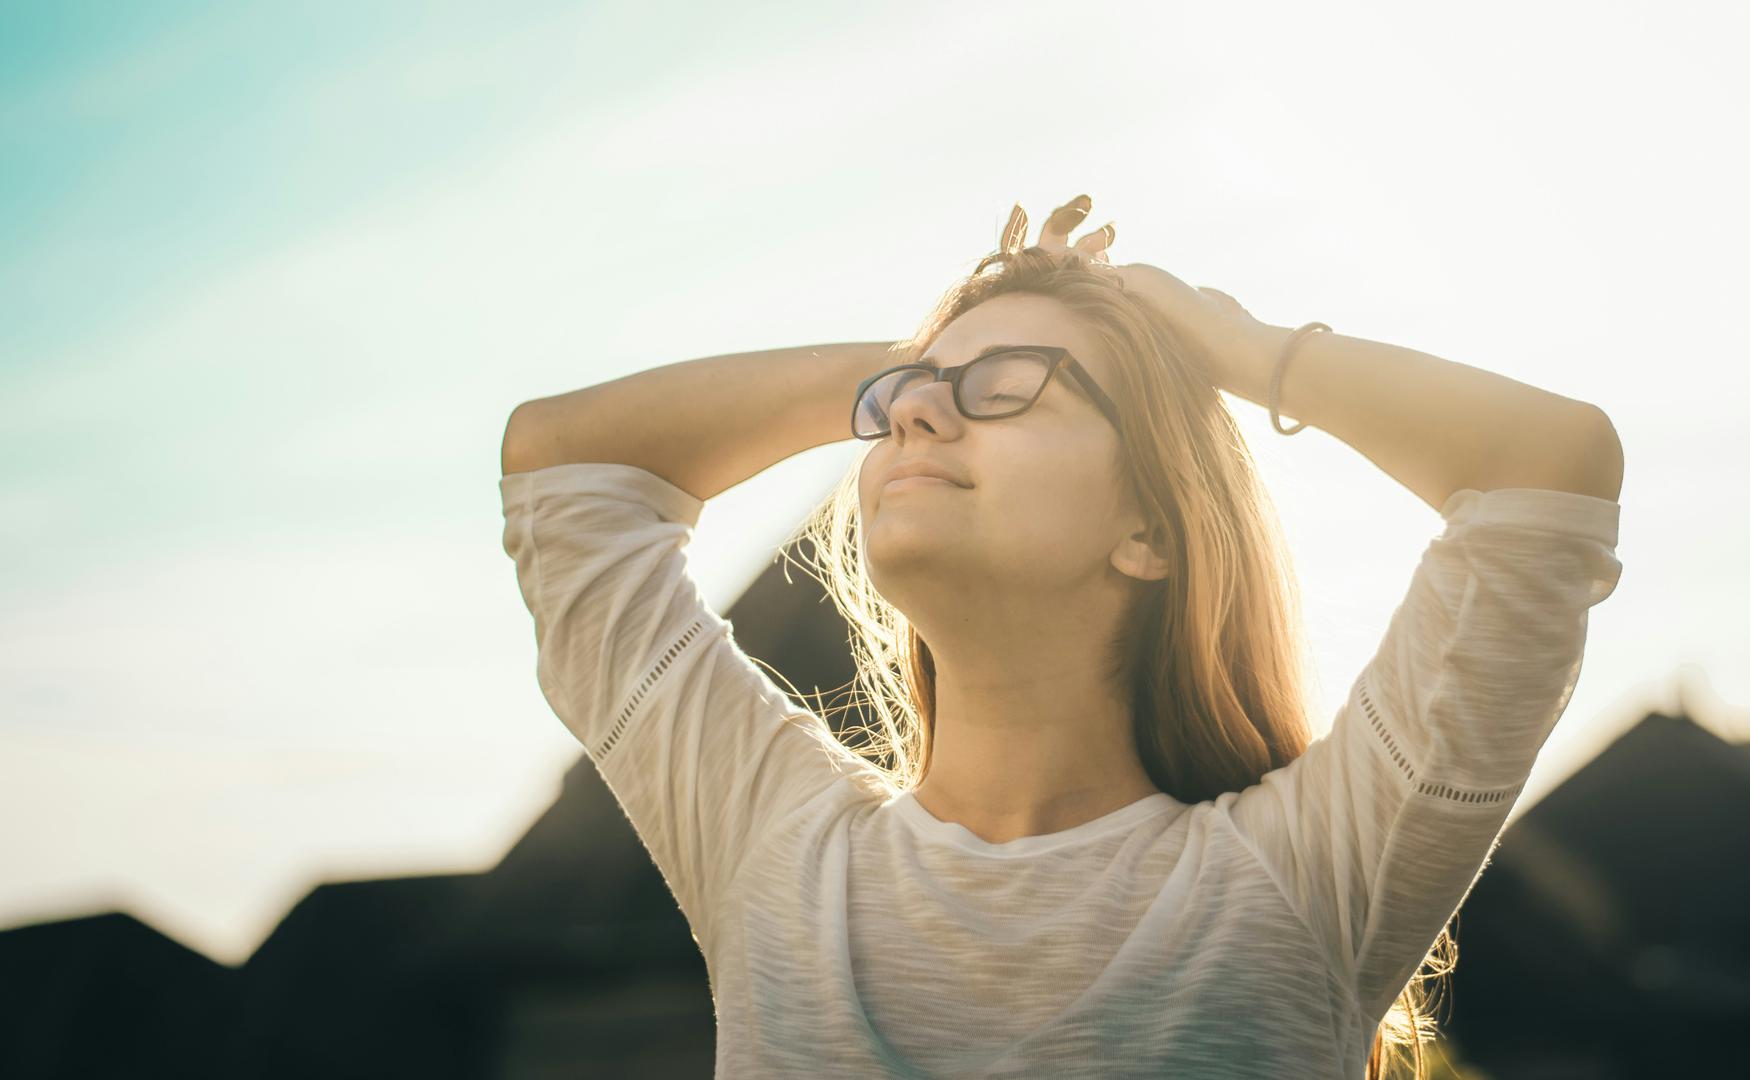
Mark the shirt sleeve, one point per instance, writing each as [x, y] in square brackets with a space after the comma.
[700, 748]
[1378, 831]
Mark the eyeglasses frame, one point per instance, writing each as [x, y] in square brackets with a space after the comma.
[1057, 355]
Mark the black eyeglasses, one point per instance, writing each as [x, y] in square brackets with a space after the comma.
[1001, 381]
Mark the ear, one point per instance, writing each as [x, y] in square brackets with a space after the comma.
[1144, 554]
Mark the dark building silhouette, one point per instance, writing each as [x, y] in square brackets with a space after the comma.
[1606, 939]
[1610, 936]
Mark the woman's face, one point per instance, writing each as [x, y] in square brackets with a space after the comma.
[1043, 509]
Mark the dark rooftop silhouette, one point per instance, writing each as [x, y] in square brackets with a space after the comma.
[1606, 939]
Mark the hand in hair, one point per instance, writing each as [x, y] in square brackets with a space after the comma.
[1223, 332]
[1054, 235]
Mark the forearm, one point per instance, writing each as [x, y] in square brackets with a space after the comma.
[703, 425]
[1434, 425]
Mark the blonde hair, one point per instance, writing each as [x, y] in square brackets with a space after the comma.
[1213, 653]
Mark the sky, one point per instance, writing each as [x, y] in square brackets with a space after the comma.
[272, 278]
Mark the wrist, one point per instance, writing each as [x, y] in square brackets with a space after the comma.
[1247, 366]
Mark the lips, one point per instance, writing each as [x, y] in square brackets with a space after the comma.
[922, 468]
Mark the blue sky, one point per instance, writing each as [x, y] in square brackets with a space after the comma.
[156, 142]
[272, 277]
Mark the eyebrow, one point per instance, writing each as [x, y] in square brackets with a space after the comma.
[986, 351]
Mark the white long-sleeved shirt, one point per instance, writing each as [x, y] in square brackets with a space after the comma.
[848, 932]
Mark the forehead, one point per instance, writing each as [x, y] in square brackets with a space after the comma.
[1016, 319]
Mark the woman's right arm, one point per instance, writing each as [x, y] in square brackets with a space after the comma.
[703, 425]
[601, 490]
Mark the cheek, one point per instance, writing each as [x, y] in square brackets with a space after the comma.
[865, 494]
[869, 489]
[1054, 505]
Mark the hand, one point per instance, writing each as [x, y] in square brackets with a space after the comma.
[1228, 340]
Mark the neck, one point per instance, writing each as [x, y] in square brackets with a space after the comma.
[1029, 747]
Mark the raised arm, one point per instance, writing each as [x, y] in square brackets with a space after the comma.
[601, 490]
[1436, 426]
[703, 425]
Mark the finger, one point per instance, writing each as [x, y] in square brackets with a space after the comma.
[1054, 234]
[1013, 236]
[1098, 240]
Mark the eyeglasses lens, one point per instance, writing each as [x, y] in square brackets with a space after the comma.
[1000, 384]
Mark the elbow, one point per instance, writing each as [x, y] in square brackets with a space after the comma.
[1575, 449]
[513, 454]
[1601, 466]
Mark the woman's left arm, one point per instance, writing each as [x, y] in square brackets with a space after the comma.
[1436, 426]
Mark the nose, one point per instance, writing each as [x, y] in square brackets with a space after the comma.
[930, 406]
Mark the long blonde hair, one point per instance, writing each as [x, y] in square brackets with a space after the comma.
[1213, 653]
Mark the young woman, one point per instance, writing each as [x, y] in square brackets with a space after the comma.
[1091, 835]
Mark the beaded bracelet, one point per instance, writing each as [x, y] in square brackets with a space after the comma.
[1281, 365]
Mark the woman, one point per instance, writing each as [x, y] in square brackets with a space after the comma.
[1090, 835]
